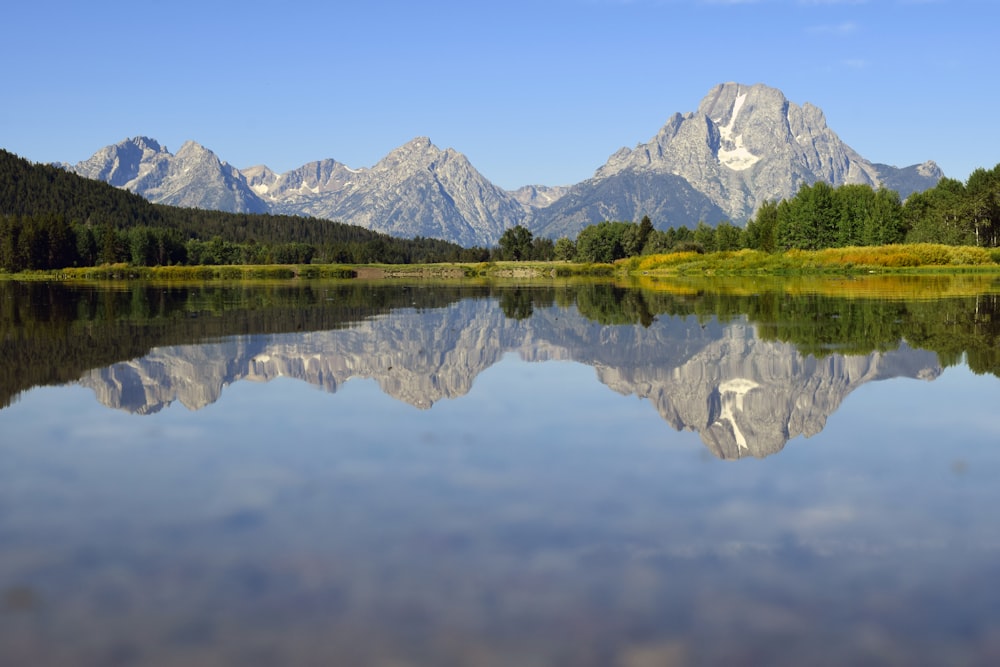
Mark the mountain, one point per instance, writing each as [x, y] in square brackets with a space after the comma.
[907, 180]
[321, 177]
[415, 190]
[667, 199]
[538, 196]
[744, 145]
[193, 178]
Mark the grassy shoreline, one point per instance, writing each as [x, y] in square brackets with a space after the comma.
[911, 258]
[894, 259]
[446, 271]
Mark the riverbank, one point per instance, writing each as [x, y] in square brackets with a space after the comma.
[441, 271]
[911, 258]
[895, 259]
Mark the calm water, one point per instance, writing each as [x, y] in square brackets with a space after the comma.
[413, 475]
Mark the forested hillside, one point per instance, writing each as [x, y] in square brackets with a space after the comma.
[50, 218]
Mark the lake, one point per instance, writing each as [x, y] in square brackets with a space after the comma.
[349, 473]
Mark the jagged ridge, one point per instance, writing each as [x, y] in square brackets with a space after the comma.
[743, 145]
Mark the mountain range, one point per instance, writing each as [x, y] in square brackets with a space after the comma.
[742, 146]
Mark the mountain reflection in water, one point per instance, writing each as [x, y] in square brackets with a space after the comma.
[743, 395]
[521, 513]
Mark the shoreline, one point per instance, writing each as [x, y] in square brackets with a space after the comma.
[912, 259]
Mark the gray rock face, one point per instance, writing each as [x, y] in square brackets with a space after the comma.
[539, 196]
[416, 190]
[907, 180]
[314, 178]
[194, 177]
[746, 397]
[666, 198]
[744, 145]
[124, 162]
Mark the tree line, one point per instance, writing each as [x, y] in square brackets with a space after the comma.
[818, 216]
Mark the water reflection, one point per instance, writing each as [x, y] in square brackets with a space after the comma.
[747, 366]
[524, 514]
[745, 396]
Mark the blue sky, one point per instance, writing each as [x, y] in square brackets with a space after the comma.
[538, 91]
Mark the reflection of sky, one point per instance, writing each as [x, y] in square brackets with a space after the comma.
[539, 504]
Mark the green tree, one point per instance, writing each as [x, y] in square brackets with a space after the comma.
[601, 242]
[543, 249]
[797, 226]
[936, 215]
[515, 244]
[885, 224]
[635, 237]
[728, 236]
[659, 241]
[565, 249]
[142, 246]
[855, 210]
[761, 231]
[982, 205]
[86, 246]
[704, 235]
[110, 246]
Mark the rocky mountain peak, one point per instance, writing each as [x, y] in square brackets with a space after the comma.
[194, 150]
[194, 177]
[743, 145]
[146, 144]
[123, 162]
[930, 169]
[417, 153]
[311, 179]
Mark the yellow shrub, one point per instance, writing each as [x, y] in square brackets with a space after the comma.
[970, 255]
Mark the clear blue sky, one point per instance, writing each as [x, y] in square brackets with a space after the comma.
[537, 91]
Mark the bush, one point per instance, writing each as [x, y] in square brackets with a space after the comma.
[932, 253]
[970, 255]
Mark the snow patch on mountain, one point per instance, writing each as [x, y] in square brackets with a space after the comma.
[739, 157]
